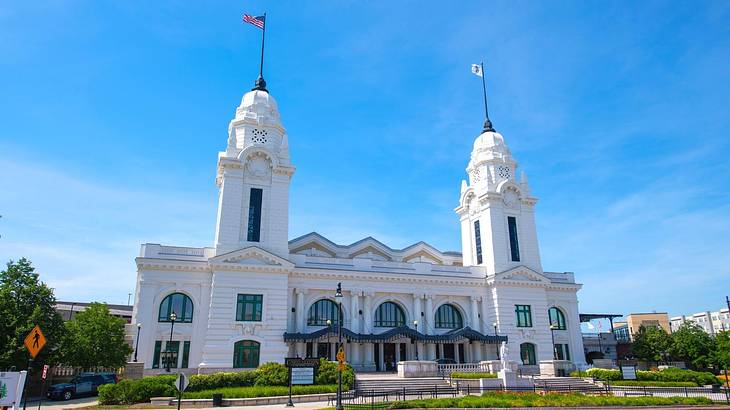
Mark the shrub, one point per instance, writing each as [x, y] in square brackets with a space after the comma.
[604, 374]
[327, 374]
[218, 380]
[678, 375]
[137, 391]
[458, 375]
[652, 383]
[272, 374]
[261, 391]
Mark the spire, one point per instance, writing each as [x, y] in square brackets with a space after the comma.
[260, 22]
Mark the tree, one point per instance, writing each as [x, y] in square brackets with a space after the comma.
[693, 345]
[721, 356]
[95, 338]
[24, 303]
[651, 343]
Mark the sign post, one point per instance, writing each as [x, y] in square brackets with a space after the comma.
[181, 383]
[34, 342]
[628, 372]
[301, 371]
[44, 375]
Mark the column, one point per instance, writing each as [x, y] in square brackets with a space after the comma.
[367, 313]
[474, 314]
[301, 349]
[369, 363]
[381, 359]
[417, 311]
[315, 348]
[354, 358]
[354, 321]
[300, 311]
[486, 317]
[397, 353]
[457, 358]
[428, 316]
[476, 352]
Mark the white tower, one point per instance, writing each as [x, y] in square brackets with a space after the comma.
[496, 210]
[253, 179]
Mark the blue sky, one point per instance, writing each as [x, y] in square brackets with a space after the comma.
[112, 114]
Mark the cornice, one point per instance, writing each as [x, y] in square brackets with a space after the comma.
[385, 277]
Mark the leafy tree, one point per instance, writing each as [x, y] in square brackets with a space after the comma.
[651, 343]
[95, 338]
[25, 302]
[693, 345]
[721, 356]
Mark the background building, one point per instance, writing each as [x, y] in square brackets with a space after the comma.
[711, 322]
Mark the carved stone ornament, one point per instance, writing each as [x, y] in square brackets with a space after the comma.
[258, 166]
[511, 199]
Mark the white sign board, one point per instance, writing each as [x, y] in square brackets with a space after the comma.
[182, 382]
[11, 388]
[302, 375]
[628, 372]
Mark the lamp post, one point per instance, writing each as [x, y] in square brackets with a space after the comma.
[415, 325]
[494, 324]
[338, 298]
[173, 318]
[552, 336]
[329, 343]
[136, 344]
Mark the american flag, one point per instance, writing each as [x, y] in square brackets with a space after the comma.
[257, 21]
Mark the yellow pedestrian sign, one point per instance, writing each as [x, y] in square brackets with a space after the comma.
[35, 341]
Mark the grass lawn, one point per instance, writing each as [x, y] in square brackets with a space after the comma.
[495, 399]
[457, 375]
[261, 391]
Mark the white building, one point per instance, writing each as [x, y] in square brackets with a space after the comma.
[711, 322]
[256, 296]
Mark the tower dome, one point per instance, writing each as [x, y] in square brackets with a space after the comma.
[258, 105]
[490, 145]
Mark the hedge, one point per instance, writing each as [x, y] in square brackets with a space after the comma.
[269, 374]
[261, 391]
[458, 375]
[666, 375]
[651, 383]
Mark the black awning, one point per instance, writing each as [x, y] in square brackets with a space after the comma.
[465, 333]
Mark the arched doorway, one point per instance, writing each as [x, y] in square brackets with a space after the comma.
[590, 356]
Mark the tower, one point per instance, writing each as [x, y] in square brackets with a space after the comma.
[496, 210]
[253, 179]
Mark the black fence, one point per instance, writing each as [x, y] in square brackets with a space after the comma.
[380, 398]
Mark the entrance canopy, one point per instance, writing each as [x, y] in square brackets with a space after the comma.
[465, 333]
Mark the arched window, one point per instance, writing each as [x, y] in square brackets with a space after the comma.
[527, 354]
[389, 314]
[322, 311]
[179, 303]
[246, 354]
[557, 319]
[448, 317]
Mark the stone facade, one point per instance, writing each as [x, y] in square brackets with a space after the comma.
[256, 296]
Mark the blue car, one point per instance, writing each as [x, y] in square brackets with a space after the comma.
[85, 384]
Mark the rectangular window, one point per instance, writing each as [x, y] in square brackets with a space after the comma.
[186, 354]
[478, 241]
[254, 214]
[562, 352]
[173, 348]
[514, 244]
[249, 308]
[524, 315]
[156, 357]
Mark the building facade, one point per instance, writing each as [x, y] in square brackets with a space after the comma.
[710, 322]
[256, 296]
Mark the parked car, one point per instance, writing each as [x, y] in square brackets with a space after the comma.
[445, 361]
[85, 384]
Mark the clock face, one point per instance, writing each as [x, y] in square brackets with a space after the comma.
[503, 171]
[511, 200]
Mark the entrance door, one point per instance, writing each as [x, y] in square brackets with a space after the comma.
[323, 350]
[389, 356]
[449, 351]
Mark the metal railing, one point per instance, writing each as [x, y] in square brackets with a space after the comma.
[372, 399]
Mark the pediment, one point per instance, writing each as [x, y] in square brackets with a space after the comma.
[252, 256]
[521, 273]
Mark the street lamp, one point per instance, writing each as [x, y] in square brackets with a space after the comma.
[552, 335]
[329, 343]
[338, 298]
[494, 324]
[173, 318]
[415, 325]
[136, 344]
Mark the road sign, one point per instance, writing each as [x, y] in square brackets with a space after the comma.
[341, 354]
[182, 382]
[45, 372]
[35, 341]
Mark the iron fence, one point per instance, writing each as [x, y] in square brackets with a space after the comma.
[380, 398]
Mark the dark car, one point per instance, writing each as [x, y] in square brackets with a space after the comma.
[85, 384]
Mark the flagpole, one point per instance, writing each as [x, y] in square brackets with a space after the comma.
[260, 82]
[487, 123]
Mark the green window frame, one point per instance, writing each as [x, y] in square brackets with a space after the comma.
[156, 357]
[246, 354]
[448, 317]
[389, 314]
[185, 355]
[322, 311]
[524, 315]
[179, 303]
[249, 308]
[174, 347]
[562, 352]
[514, 243]
[527, 354]
[557, 318]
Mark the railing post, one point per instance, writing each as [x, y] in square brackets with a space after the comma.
[686, 392]
[404, 393]
[645, 391]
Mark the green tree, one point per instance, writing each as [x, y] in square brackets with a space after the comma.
[721, 356]
[25, 302]
[95, 338]
[651, 343]
[693, 345]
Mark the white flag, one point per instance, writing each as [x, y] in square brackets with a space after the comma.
[477, 69]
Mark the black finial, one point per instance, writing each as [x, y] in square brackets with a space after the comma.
[488, 126]
[260, 85]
